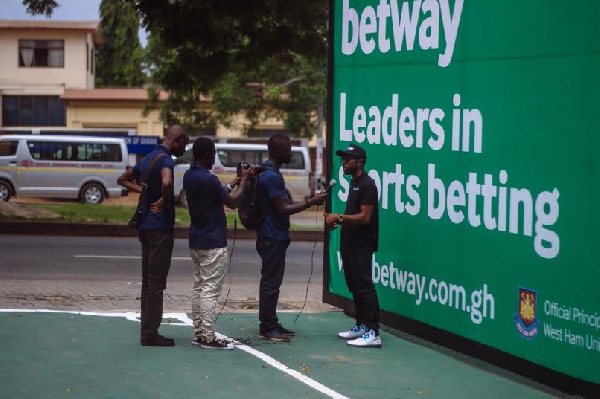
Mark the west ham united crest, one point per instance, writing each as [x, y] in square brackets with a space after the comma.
[525, 319]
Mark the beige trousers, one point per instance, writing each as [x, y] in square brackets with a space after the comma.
[209, 272]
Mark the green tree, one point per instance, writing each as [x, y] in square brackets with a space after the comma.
[119, 57]
[251, 56]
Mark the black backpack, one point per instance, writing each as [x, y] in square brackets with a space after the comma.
[249, 211]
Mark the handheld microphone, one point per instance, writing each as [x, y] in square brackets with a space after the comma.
[332, 183]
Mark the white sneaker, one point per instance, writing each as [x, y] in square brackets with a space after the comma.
[368, 340]
[353, 333]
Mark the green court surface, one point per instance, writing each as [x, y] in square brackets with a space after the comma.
[62, 355]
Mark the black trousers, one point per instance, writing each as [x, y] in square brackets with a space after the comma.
[272, 254]
[358, 273]
[157, 248]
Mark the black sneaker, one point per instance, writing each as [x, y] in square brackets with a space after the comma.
[274, 335]
[159, 340]
[285, 331]
[216, 343]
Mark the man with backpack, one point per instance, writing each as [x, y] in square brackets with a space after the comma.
[273, 235]
[208, 237]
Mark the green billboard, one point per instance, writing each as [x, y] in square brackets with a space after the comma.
[479, 121]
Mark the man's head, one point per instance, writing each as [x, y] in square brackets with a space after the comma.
[175, 140]
[353, 159]
[280, 149]
[204, 152]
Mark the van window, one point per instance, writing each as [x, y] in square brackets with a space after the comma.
[64, 151]
[231, 158]
[8, 148]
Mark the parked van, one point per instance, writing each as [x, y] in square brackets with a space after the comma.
[297, 174]
[77, 167]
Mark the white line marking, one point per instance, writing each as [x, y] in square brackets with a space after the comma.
[186, 321]
[127, 257]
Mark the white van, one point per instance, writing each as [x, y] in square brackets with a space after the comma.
[297, 174]
[77, 167]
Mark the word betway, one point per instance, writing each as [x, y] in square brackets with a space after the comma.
[369, 28]
[482, 202]
[479, 303]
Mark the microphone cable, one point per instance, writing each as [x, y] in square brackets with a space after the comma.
[312, 265]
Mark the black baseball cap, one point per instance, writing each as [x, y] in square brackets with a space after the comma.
[353, 151]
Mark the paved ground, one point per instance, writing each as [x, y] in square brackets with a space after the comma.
[82, 342]
[58, 355]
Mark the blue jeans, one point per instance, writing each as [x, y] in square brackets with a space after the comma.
[272, 254]
[157, 248]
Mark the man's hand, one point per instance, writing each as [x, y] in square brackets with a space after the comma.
[318, 199]
[157, 206]
[246, 172]
[331, 220]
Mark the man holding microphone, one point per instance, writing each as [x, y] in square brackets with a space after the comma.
[359, 239]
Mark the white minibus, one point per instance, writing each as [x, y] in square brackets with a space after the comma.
[297, 174]
[76, 167]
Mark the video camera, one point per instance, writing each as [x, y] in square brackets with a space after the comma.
[245, 165]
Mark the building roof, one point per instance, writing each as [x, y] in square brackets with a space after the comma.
[113, 94]
[64, 26]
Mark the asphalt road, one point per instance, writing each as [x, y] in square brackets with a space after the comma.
[103, 274]
[102, 258]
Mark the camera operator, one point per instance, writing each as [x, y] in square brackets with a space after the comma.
[273, 236]
[208, 237]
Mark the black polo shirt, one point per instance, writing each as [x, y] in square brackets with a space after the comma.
[362, 237]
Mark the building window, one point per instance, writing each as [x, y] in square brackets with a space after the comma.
[33, 111]
[42, 53]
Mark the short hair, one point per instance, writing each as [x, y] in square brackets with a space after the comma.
[202, 146]
[275, 142]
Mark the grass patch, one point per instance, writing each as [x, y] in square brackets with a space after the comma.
[76, 212]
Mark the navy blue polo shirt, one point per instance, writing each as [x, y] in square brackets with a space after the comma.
[165, 219]
[271, 185]
[205, 197]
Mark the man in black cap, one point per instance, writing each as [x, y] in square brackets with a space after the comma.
[359, 239]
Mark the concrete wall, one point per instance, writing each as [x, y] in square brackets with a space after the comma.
[116, 115]
[43, 80]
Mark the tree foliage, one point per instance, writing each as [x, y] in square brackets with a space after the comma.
[40, 7]
[119, 57]
[261, 57]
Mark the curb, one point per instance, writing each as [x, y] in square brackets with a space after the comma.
[122, 230]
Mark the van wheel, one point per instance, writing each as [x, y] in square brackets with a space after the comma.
[183, 199]
[92, 193]
[6, 190]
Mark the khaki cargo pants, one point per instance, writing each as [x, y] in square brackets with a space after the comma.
[209, 272]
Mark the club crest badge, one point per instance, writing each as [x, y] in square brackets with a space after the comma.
[525, 321]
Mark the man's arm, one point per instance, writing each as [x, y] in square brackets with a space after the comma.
[296, 207]
[128, 180]
[166, 175]
[364, 217]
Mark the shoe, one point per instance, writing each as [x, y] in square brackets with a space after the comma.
[274, 335]
[368, 340]
[353, 333]
[159, 340]
[216, 343]
[285, 331]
